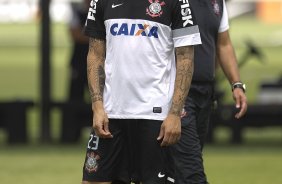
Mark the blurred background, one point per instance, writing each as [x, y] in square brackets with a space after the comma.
[45, 119]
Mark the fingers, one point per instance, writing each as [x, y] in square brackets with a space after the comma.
[237, 101]
[241, 103]
[161, 134]
[242, 111]
[106, 128]
[169, 137]
[101, 128]
[100, 132]
[170, 130]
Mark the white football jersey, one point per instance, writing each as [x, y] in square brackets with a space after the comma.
[140, 61]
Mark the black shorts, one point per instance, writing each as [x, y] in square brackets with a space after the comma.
[133, 154]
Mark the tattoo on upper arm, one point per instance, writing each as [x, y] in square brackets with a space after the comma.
[184, 73]
[95, 69]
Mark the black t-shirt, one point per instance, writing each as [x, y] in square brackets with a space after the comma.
[208, 14]
[79, 50]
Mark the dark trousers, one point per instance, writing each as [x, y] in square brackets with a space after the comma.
[187, 153]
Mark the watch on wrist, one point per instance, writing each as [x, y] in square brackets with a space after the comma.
[239, 85]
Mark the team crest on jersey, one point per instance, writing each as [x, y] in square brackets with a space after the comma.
[215, 6]
[155, 8]
[91, 164]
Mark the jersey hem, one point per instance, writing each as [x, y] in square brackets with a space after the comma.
[112, 116]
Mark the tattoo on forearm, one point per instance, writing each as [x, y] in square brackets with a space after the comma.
[102, 78]
[95, 69]
[184, 73]
[97, 95]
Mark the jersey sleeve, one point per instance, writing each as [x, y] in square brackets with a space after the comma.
[94, 25]
[224, 23]
[185, 30]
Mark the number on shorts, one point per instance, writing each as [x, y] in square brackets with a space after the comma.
[93, 142]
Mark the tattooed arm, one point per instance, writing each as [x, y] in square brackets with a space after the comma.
[184, 73]
[171, 128]
[96, 82]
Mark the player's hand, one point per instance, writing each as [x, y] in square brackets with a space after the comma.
[100, 121]
[170, 131]
[241, 102]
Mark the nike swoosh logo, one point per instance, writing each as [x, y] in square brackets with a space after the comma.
[160, 175]
[116, 5]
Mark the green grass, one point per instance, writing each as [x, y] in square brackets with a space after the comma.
[246, 164]
[41, 164]
[257, 161]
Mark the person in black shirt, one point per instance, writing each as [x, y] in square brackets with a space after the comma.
[78, 82]
[211, 16]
